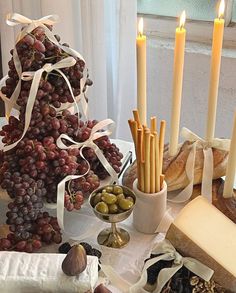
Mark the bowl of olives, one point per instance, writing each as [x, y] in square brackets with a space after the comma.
[113, 204]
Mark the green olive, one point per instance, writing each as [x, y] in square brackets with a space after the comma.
[125, 204]
[130, 198]
[97, 198]
[113, 208]
[102, 208]
[109, 189]
[109, 198]
[120, 196]
[117, 189]
[104, 191]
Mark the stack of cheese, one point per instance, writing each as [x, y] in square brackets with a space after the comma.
[201, 231]
[39, 272]
[149, 147]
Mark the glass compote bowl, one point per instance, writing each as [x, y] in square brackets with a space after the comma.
[113, 237]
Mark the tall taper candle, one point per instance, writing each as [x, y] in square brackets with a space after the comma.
[231, 165]
[177, 84]
[217, 42]
[141, 73]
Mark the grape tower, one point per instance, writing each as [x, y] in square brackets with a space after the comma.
[31, 171]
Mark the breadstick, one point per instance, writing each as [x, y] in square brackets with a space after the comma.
[157, 163]
[143, 128]
[133, 128]
[140, 161]
[162, 178]
[137, 118]
[153, 124]
[152, 164]
[161, 142]
[147, 161]
[142, 171]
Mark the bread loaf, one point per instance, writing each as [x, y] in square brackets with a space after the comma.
[174, 167]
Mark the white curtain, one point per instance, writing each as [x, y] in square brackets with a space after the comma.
[103, 31]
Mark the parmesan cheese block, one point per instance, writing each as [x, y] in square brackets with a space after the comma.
[41, 272]
[201, 231]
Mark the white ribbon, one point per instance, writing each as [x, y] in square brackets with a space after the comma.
[165, 222]
[208, 165]
[96, 133]
[165, 251]
[36, 76]
[16, 19]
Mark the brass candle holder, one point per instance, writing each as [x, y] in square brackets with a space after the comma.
[113, 237]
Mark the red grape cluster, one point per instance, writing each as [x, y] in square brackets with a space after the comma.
[34, 51]
[44, 229]
[30, 172]
[78, 188]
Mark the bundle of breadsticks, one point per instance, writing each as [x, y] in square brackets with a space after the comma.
[149, 148]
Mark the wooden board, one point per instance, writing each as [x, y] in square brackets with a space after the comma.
[226, 205]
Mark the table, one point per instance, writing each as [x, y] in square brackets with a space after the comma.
[128, 261]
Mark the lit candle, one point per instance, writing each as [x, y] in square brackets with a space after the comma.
[231, 165]
[215, 71]
[141, 73]
[177, 84]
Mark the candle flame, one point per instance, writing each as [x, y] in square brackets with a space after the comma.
[140, 26]
[182, 19]
[221, 9]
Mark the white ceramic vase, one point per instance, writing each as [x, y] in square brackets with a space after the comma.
[149, 210]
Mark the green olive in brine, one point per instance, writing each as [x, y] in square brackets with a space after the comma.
[125, 204]
[102, 208]
[109, 189]
[109, 198]
[97, 198]
[120, 196]
[117, 189]
[113, 208]
[130, 198]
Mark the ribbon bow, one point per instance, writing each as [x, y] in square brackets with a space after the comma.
[36, 76]
[16, 19]
[165, 251]
[96, 133]
[208, 164]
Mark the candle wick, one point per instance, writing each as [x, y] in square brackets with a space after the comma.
[220, 16]
[140, 34]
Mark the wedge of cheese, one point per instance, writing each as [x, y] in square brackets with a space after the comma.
[201, 231]
[41, 272]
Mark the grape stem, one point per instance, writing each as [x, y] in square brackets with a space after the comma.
[33, 36]
[50, 57]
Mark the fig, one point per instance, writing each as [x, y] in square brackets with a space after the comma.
[101, 289]
[75, 261]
